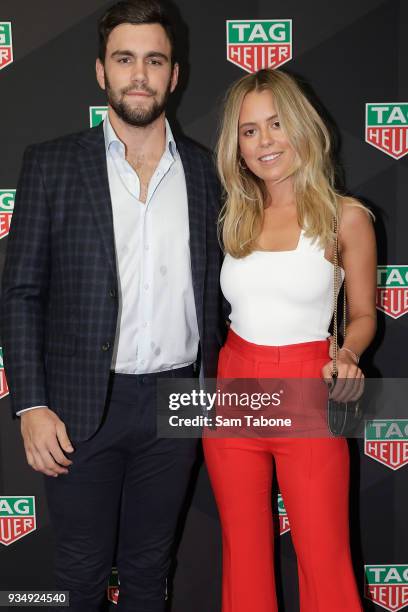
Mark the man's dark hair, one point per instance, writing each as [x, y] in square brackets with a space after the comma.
[136, 12]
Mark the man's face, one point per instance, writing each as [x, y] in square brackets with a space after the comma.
[137, 76]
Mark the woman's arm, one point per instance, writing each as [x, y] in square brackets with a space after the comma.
[358, 255]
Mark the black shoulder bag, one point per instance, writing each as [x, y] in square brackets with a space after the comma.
[343, 418]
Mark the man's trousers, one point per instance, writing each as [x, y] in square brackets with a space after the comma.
[123, 495]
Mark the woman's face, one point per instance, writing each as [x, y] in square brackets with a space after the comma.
[264, 146]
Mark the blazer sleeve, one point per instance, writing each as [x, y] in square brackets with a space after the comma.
[25, 283]
[216, 201]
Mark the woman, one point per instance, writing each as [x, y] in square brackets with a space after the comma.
[277, 230]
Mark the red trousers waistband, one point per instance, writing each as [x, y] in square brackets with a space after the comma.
[318, 349]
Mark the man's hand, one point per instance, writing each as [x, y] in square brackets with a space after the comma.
[44, 436]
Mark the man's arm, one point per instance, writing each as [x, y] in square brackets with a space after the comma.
[25, 289]
[25, 285]
[216, 200]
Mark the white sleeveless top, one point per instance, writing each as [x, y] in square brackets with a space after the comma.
[280, 297]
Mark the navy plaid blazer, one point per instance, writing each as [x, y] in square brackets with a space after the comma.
[59, 304]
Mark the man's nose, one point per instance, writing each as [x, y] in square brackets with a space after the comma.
[139, 72]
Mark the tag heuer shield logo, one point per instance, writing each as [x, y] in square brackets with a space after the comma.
[387, 127]
[386, 441]
[6, 44]
[387, 586]
[283, 516]
[392, 290]
[97, 115]
[17, 518]
[254, 44]
[7, 197]
[4, 390]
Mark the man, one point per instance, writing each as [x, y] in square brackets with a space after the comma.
[111, 282]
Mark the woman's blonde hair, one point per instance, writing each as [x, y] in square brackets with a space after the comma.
[316, 199]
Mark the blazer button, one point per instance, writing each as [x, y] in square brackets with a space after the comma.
[112, 293]
[106, 346]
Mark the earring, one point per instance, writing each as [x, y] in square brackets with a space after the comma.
[242, 166]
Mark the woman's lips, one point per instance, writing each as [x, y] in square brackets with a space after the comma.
[270, 158]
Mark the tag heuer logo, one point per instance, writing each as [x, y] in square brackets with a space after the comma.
[386, 441]
[387, 127]
[97, 115]
[17, 518]
[283, 517]
[387, 586]
[7, 197]
[4, 390]
[254, 44]
[113, 586]
[392, 290]
[6, 44]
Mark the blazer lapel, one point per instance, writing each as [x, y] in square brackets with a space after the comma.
[94, 172]
[196, 194]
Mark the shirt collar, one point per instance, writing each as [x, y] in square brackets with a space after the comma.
[111, 138]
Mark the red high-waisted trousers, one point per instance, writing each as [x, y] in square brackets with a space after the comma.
[313, 476]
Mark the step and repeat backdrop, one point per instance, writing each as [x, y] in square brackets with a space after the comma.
[354, 57]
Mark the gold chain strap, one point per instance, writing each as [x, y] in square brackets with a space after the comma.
[335, 299]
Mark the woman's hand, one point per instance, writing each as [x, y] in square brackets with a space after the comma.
[349, 384]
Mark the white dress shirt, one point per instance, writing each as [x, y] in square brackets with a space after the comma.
[157, 327]
[157, 324]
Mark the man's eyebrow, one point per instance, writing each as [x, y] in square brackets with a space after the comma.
[157, 54]
[122, 52]
[254, 123]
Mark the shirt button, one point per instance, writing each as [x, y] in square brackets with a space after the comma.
[146, 247]
[142, 362]
[145, 325]
[146, 286]
[106, 346]
[112, 293]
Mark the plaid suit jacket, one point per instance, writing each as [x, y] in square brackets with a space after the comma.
[59, 303]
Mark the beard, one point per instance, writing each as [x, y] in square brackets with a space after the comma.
[136, 116]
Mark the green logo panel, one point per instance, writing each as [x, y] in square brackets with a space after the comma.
[387, 429]
[7, 197]
[5, 34]
[387, 114]
[16, 506]
[97, 115]
[261, 32]
[392, 276]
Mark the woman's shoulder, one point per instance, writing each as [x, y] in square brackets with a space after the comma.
[353, 213]
[356, 223]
